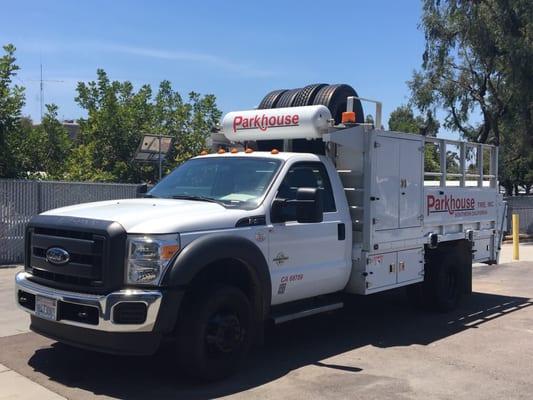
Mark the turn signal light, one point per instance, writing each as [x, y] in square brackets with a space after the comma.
[348, 117]
[168, 251]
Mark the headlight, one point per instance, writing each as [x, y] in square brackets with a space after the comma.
[148, 257]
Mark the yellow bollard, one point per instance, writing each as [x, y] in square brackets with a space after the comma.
[516, 229]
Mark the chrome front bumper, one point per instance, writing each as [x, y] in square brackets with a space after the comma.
[104, 304]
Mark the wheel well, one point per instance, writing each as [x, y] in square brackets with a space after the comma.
[231, 272]
[462, 246]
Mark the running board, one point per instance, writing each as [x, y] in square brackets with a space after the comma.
[306, 313]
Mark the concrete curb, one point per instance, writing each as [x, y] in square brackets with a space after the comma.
[16, 386]
[6, 266]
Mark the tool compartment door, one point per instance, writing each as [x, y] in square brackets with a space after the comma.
[410, 183]
[381, 270]
[410, 265]
[386, 182]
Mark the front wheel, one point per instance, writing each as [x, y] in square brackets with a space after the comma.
[214, 332]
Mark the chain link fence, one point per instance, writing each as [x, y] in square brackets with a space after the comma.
[523, 206]
[20, 200]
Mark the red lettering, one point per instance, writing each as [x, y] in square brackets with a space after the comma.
[264, 121]
[295, 119]
[236, 122]
[431, 202]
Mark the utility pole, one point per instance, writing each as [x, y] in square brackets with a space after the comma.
[160, 158]
[41, 89]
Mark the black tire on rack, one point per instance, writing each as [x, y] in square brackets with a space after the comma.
[306, 95]
[287, 98]
[271, 99]
[334, 97]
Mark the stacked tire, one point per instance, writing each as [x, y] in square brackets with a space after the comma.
[334, 97]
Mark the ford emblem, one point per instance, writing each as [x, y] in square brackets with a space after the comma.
[58, 256]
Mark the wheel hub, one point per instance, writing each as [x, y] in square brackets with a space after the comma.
[224, 334]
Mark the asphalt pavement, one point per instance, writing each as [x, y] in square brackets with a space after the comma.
[376, 348]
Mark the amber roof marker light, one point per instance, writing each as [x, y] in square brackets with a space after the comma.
[348, 117]
[221, 151]
[274, 151]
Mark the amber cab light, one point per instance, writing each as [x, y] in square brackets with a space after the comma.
[348, 117]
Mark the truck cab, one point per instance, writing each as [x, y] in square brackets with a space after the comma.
[232, 240]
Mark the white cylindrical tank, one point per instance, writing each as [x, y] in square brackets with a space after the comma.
[308, 122]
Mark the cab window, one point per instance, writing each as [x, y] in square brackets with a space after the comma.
[307, 175]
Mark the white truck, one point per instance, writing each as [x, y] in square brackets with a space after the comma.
[232, 240]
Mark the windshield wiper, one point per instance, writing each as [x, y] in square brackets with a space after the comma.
[198, 198]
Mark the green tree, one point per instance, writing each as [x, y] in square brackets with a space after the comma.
[190, 124]
[11, 103]
[45, 147]
[403, 119]
[118, 117]
[478, 60]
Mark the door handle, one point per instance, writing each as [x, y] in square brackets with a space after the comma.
[341, 232]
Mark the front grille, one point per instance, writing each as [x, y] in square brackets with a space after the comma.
[86, 256]
[95, 248]
[61, 278]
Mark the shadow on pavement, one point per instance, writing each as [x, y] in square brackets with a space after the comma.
[382, 320]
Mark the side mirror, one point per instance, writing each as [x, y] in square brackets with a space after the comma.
[276, 211]
[309, 207]
[306, 208]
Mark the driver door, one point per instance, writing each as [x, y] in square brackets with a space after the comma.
[306, 259]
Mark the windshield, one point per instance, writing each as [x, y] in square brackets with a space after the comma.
[234, 182]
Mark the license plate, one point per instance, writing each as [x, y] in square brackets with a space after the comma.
[46, 308]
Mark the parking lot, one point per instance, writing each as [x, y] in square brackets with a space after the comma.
[376, 348]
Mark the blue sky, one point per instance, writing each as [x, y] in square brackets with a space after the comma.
[237, 50]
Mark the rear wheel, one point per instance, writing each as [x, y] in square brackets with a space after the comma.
[214, 332]
[448, 284]
[443, 286]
